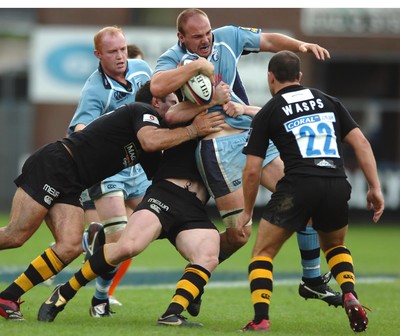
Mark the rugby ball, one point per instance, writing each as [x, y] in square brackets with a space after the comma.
[198, 89]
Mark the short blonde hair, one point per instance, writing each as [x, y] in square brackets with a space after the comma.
[185, 15]
[110, 30]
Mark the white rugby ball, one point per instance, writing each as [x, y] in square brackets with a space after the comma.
[198, 89]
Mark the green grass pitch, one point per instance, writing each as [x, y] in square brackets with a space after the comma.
[226, 305]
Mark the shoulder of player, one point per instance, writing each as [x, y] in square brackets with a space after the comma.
[228, 29]
[174, 53]
[274, 103]
[136, 61]
[224, 33]
[137, 64]
[170, 59]
[93, 90]
[232, 29]
[95, 79]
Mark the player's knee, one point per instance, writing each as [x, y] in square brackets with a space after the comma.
[127, 250]
[229, 217]
[235, 238]
[16, 242]
[115, 225]
[211, 263]
[67, 251]
[214, 261]
[13, 238]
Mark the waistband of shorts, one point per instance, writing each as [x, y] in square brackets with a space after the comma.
[239, 135]
[171, 185]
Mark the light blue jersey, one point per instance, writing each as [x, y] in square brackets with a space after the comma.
[229, 43]
[220, 161]
[102, 94]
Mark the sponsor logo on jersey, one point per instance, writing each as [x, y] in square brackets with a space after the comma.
[150, 118]
[325, 163]
[158, 203]
[131, 155]
[309, 119]
[118, 95]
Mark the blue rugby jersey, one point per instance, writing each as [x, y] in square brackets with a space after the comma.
[102, 94]
[229, 43]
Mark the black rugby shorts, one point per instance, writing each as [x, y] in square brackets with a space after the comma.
[299, 198]
[177, 209]
[50, 176]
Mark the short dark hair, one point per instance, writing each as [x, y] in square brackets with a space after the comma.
[285, 65]
[144, 94]
[134, 51]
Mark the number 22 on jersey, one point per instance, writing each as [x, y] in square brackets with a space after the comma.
[315, 135]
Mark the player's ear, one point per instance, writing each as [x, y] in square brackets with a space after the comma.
[180, 36]
[271, 77]
[300, 75]
[155, 102]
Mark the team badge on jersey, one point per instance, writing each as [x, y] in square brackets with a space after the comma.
[253, 30]
[151, 118]
[215, 55]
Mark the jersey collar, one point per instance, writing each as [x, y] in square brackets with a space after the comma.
[107, 83]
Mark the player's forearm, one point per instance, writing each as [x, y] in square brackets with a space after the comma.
[165, 82]
[182, 113]
[367, 163]
[164, 138]
[274, 42]
[251, 182]
[251, 110]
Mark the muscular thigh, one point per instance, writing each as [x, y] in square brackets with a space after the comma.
[196, 243]
[292, 204]
[109, 206]
[26, 216]
[66, 222]
[270, 239]
[143, 227]
[272, 173]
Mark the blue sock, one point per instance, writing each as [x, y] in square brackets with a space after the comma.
[308, 242]
[103, 285]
